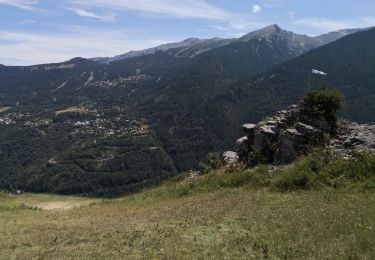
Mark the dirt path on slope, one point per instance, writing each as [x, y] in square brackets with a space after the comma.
[62, 205]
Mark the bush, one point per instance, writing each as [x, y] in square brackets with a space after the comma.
[295, 178]
[326, 169]
[324, 103]
[213, 163]
[321, 169]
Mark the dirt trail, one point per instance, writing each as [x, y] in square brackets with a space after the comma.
[62, 205]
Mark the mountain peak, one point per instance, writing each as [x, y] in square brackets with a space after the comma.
[274, 27]
[262, 33]
[191, 40]
[78, 60]
[216, 39]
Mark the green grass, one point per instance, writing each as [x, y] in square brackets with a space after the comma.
[230, 213]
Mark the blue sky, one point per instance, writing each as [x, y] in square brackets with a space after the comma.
[43, 31]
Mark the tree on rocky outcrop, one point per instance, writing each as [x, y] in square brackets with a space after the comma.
[213, 163]
[280, 139]
[324, 103]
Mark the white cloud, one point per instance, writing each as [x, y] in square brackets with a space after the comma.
[291, 14]
[271, 4]
[369, 21]
[22, 4]
[327, 25]
[240, 27]
[27, 21]
[322, 23]
[20, 48]
[17, 48]
[183, 9]
[221, 28]
[257, 9]
[199, 9]
[84, 13]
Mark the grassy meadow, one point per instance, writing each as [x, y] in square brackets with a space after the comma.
[226, 214]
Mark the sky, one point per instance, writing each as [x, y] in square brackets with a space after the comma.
[47, 31]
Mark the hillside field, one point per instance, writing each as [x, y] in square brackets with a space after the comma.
[222, 215]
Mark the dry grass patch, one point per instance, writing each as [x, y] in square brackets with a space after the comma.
[3, 109]
[228, 223]
[79, 110]
[62, 205]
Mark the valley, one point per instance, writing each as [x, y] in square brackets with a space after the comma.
[91, 128]
[190, 129]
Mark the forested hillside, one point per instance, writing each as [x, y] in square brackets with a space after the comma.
[349, 63]
[82, 127]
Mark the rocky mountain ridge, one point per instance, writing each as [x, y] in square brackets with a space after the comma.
[194, 46]
[280, 139]
[185, 47]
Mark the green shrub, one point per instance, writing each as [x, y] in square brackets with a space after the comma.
[234, 167]
[326, 168]
[321, 169]
[256, 177]
[214, 160]
[256, 158]
[213, 163]
[294, 179]
[324, 102]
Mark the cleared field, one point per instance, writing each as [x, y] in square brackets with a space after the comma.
[79, 110]
[3, 109]
[181, 221]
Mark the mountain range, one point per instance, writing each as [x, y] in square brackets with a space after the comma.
[194, 46]
[111, 125]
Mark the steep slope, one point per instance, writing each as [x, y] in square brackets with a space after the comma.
[349, 63]
[297, 43]
[208, 98]
[306, 211]
[193, 114]
[335, 35]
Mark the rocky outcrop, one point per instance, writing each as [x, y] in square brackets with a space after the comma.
[280, 139]
[354, 137]
[229, 157]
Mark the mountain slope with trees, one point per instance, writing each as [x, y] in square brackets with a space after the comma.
[349, 64]
[90, 128]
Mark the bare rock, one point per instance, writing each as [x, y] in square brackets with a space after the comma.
[280, 139]
[249, 128]
[320, 123]
[271, 122]
[264, 136]
[241, 141]
[308, 130]
[357, 137]
[229, 157]
[282, 112]
[269, 129]
[289, 147]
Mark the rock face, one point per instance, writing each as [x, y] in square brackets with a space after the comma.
[280, 139]
[354, 137]
[291, 142]
[229, 157]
